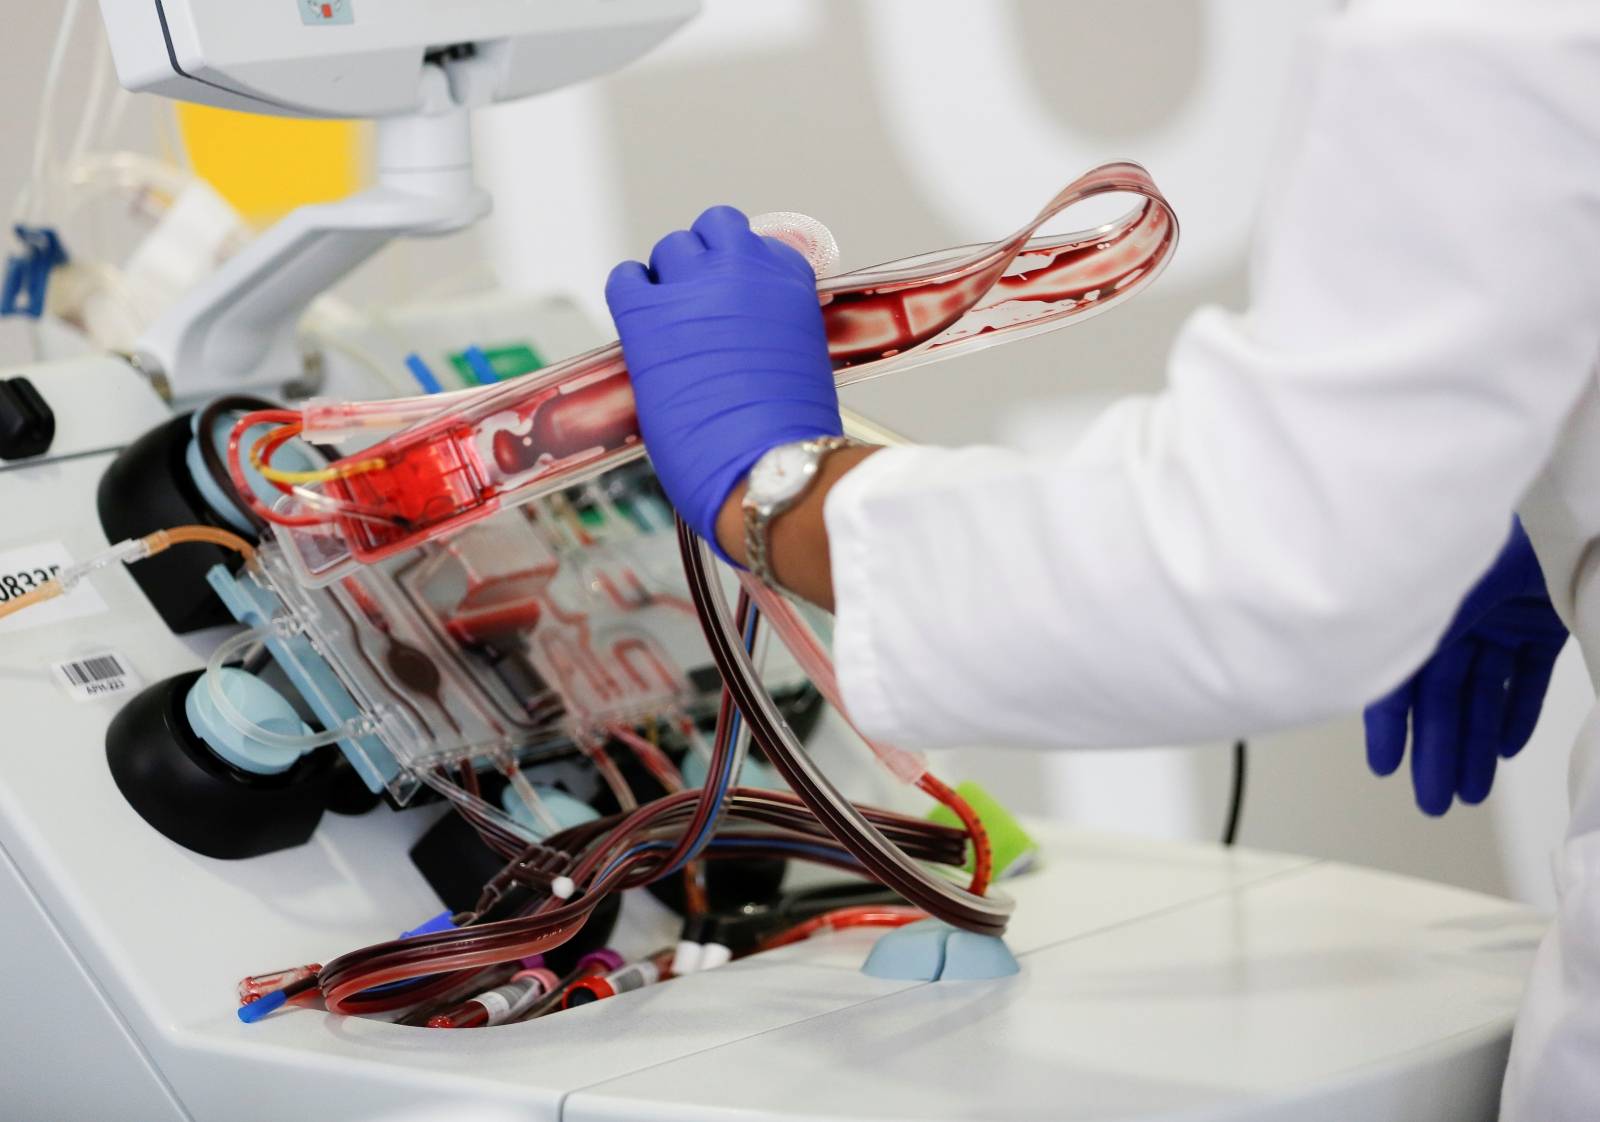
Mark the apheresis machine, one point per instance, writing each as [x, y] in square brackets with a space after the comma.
[372, 754]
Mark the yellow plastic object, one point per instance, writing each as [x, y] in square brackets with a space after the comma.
[267, 166]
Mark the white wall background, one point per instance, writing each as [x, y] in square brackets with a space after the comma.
[912, 124]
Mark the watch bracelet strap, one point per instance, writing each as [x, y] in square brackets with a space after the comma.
[758, 529]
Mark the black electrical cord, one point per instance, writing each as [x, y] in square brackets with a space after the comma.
[1230, 832]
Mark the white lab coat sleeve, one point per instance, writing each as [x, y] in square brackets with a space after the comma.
[1285, 532]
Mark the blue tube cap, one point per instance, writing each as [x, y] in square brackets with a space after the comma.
[444, 921]
[931, 951]
[261, 1006]
[262, 705]
[566, 810]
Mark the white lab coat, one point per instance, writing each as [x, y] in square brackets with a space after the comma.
[1283, 534]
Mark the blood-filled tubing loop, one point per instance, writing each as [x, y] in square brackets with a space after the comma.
[881, 857]
[515, 441]
[817, 664]
[347, 979]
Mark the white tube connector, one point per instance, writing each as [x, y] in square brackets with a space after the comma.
[123, 553]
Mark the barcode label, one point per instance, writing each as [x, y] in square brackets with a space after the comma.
[97, 676]
[93, 670]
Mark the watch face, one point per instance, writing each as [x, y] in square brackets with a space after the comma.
[781, 474]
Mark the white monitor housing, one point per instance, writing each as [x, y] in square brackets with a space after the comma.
[364, 58]
[418, 67]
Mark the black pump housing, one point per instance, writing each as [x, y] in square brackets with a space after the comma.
[147, 488]
[181, 787]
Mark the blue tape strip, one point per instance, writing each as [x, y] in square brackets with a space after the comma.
[482, 369]
[424, 376]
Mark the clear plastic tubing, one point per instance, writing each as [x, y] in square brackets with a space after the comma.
[797, 636]
[226, 652]
[327, 421]
[887, 863]
[483, 449]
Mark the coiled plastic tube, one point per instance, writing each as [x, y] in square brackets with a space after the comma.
[226, 652]
[510, 443]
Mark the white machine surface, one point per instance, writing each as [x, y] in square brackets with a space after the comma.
[1158, 981]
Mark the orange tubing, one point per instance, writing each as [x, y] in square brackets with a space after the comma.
[982, 850]
[861, 915]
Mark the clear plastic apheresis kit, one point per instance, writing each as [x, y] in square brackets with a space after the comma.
[492, 580]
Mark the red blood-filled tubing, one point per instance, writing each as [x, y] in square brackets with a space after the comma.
[598, 416]
[519, 439]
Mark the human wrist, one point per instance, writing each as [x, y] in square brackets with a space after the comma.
[729, 521]
[798, 536]
[730, 524]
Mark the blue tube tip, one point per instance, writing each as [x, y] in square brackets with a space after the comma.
[261, 1006]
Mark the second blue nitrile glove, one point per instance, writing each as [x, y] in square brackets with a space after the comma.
[1477, 698]
[725, 344]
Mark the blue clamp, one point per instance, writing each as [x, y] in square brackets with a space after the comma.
[28, 273]
[932, 951]
[253, 605]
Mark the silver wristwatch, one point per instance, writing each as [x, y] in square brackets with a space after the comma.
[778, 481]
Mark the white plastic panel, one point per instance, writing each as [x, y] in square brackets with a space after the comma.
[62, 1026]
[1322, 993]
[210, 1057]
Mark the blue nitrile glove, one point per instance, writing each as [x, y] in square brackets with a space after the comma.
[1478, 696]
[724, 341]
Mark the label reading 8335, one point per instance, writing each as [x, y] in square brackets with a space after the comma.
[28, 567]
[24, 581]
